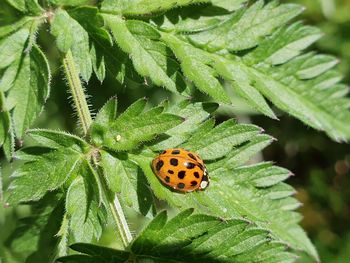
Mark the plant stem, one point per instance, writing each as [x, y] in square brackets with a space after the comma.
[119, 217]
[82, 108]
[77, 91]
[115, 207]
[63, 235]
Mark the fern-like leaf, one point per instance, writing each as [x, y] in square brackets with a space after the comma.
[70, 35]
[275, 69]
[192, 237]
[141, 42]
[257, 53]
[134, 126]
[255, 192]
[141, 7]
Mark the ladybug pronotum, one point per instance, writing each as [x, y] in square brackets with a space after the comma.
[181, 170]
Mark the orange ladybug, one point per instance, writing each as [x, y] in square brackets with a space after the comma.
[180, 169]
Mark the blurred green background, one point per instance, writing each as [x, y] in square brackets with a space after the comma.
[321, 167]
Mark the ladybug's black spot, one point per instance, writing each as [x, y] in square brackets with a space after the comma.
[192, 156]
[159, 165]
[175, 152]
[164, 152]
[181, 185]
[174, 162]
[167, 179]
[196, 174]
[181, 174]
[171, 171]
[193, 183]
[190, 165]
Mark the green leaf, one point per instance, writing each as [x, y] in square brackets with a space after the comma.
[4, 126]
[20, 5]
[230, 5]
[12, 47]
[246, 27]
[108, 56]
[191, 238]
[71, 35]
[101, 50]
[21, 23]
[104, 117]
[256, 192]
[59, 139]
[70, 2]
[98, 254]
[285, 44]
[9, 141]
[243, 154]
[26, 6]
[288, 93]
[29, 91]
[47, 172]
[34, 7]
[266, 211]
[253, 97]
[270, 176]
[134, 110]
[5, 120]
[141, 7]
[219, 141]
[82, 213]
[124, 178]
[193, 113]
[311, 109]
[133, 127]
[34, 237]
[98, 64]
[304, 86]
[149, 56]
[108, 113]
[195, 67]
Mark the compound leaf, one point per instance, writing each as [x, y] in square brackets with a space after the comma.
[82, 212]
[134, 126]
[45, 172]
[190, 237]
[150, 57]
[141, 7]
[29, 90]
[125, 179]
[71, 35]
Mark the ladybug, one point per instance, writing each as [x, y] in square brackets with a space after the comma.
[181, 170]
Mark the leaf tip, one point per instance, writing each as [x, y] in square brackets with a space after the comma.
[273, 139]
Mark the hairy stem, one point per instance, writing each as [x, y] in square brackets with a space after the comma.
[82, 109]
[77, 91]
[119, 217]
[115, 208]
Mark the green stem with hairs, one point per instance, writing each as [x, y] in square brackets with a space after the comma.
[114, 207]
[84, 115]
[77, 91]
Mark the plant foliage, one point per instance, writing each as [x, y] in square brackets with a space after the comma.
[255, 192]
[192, 237]
[251, 49]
